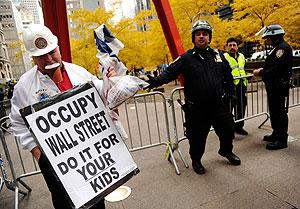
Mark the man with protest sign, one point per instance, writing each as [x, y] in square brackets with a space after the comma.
[47, 78]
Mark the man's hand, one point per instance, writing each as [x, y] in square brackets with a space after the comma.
[111, 72]
[151, 82]
[257, 71]
[36, 152]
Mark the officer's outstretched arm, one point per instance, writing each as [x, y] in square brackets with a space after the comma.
[168, 75]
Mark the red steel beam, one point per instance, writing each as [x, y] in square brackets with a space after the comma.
[169, 27]
[55, 16]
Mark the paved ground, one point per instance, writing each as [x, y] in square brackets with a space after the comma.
[264, 180]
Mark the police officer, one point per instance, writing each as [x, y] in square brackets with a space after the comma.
[206, 80]
[236, 61]
[276, 75]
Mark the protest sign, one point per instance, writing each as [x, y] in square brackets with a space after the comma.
[77, 135]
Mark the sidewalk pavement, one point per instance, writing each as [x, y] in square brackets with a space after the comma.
[265, 179]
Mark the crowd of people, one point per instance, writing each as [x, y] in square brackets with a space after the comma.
[211, 84]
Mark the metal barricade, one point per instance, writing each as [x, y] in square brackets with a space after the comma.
[145, 119]
[257, 104]
[294, 96]
[20, 162]
[256, 100]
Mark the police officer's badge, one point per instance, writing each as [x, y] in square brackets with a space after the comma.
[40, 43]
[218, 58]
[279, 53]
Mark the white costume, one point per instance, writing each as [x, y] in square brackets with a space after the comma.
[33, 87]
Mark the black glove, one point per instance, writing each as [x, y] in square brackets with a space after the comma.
[151, 82]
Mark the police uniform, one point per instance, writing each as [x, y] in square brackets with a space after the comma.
[206, 80]
[276, 75]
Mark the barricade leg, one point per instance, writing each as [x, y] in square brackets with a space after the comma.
[263, 123]
[180, 155]
[12, 184]
[151, 122]
[176, 140]
[171, 158]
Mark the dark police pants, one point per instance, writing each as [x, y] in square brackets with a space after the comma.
[241, 103]
[58, 193]
[278, 114]
[198, 123]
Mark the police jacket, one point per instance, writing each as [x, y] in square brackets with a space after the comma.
[278, 65]
[33, 87]
[206, 75]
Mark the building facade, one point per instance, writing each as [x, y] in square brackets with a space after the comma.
[142, 5]
[5, 68]
[12, 29]
[30, 10]
[91, 5]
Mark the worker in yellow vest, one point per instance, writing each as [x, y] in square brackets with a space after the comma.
[236, 61]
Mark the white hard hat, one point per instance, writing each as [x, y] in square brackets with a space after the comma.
[273, 30]
[39, 40]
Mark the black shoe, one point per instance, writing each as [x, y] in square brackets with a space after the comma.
[232, 158]
[241, 131]
[269, 138]
[276, 145]
[198, 167]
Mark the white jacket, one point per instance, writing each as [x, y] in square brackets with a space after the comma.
[32, 87]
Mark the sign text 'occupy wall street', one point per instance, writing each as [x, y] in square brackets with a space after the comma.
[82, 144]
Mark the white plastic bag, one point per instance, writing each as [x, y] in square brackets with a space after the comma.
[122, 88]
[115, 118]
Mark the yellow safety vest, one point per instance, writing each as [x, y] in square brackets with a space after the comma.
[237, 67]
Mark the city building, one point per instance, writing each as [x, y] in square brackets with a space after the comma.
[143, 5]
[12, 29]
[5, 69]
[121, 8]
[225, 12]
[91, 5]
[30, 10]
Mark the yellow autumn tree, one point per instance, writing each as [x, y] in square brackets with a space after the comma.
[144, 41]
[142, 48]
[83, 47]
[251, 15]
[188, 11]
[290, 20]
